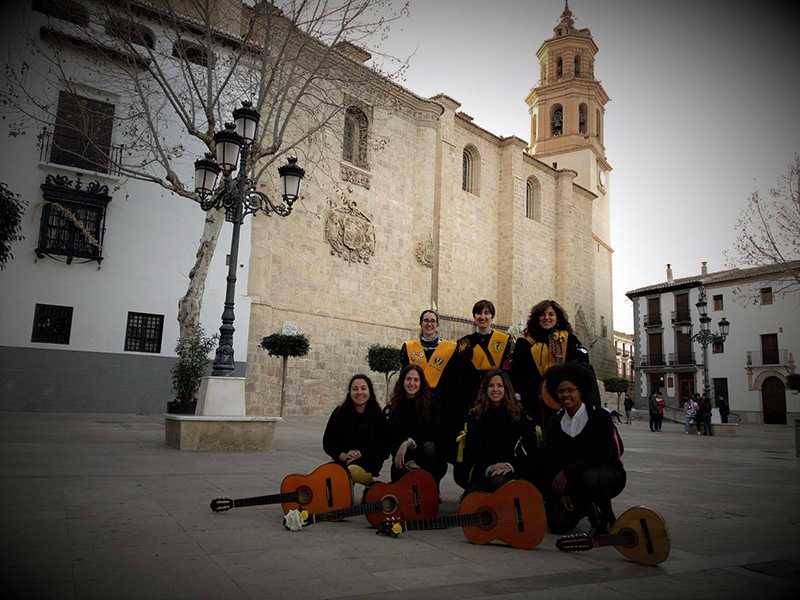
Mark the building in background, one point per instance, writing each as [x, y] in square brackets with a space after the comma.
[623, 348]
[749, 367]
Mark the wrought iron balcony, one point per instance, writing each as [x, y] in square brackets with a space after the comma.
[626, 353]
[681, 316]
[651, 360]
[79, 153]
[681, 358]
[652, 320]
[619, 351]
[757, 358]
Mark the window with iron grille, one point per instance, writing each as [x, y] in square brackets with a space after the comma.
[766, 295]
[51, 324]
[718, 348]
[718, 303]
[82, 133]
[143, 333]
[348, 143]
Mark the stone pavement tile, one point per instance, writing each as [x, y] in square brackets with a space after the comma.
[240, 539]
[56, 591]
[88, 564]
[142, 506]
[31, 535]
[123, 530]
[198, 516]
[784, 569]
[45, 567]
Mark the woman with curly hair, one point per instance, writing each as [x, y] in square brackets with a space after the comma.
[354, 436]
[413, 425]
[548, 340]
[499, 436]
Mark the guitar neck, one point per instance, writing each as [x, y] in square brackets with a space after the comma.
[343, 513]
[442, 522]
[261, 500]
[608, 539]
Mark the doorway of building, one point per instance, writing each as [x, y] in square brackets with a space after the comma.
[773, 401]
[656, 383]
[685, 387]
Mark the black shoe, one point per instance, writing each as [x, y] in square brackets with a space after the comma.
[604, 526]
[594, 515]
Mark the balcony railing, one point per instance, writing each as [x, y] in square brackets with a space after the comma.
[652, 360]
[681, 358]
[757, 358]
[619, 351]
[681, 316]
[626, 353]
[652, 320]
[79, 153]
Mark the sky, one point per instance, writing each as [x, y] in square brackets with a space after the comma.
[705, 108]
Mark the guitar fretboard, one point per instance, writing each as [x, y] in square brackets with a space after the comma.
[343, 513]
[443, 522]
[271, 499]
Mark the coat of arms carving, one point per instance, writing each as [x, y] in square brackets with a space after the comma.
[350, 233]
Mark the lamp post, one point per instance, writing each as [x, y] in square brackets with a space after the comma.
[705, 337]
[239, 197]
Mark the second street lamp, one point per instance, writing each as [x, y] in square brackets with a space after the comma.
[239, 197]
[705, 336]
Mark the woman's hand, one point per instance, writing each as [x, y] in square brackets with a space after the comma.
[499, 469]
[400, 455]
[566, 504]
[559, 483]
[351, 456]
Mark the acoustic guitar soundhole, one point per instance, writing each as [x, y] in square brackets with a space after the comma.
[304, 495]
[486, 518]
[388, 505]
[628, 538]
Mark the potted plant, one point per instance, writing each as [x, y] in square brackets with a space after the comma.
[285, 345]
[187, 373]
[387, 360]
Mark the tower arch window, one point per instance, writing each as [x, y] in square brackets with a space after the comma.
[470, 170]
[559, 68]
[557, 121]
[355, 137]
[577, 66]
[599, 125]
[582, 118]
[533, 200]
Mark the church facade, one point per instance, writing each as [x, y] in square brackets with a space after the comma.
[440, 214]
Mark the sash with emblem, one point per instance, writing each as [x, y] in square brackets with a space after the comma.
[433, 369]
[497, 345]
[544, 359]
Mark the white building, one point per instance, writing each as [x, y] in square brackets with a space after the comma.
[623, 348]
[84, 328]
[749, 367]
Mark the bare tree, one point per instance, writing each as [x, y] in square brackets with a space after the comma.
[178, 67]
[768, 233]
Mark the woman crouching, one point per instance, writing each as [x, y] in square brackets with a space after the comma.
[583, 454]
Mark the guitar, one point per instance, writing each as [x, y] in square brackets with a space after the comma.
[414, 496]
[328, 487]
[640, 534]
[514, 514]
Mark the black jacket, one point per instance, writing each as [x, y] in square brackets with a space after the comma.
[348, 430]
[593, 447]
[408, 423]
[496, 438]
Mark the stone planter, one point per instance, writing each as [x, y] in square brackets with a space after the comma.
[181, 408]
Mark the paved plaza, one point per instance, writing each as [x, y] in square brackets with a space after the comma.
[97, 506]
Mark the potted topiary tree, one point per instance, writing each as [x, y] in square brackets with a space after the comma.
[618, 385]
[385, 359]
[285, 345]
[188, 372]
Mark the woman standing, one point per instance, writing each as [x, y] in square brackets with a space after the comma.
[354, 436]
[583, 454]
[412, 419]
[499, 436]
[548, 340]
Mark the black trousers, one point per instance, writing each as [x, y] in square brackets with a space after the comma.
[597, 486]
[481, 483]
[428, 457]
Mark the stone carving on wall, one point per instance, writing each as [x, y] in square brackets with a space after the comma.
[350, 233]
[425, 252]
[351, 175]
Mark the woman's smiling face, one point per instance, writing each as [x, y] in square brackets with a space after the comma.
[548, 319]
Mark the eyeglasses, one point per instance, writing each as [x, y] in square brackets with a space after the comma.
[566, 392]
[429, 321]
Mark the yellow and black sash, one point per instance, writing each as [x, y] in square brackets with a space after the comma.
[540, 351]
[433, 369]
[497, 345]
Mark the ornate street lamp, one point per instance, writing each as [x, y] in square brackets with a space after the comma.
[705, 337]
[239, 197]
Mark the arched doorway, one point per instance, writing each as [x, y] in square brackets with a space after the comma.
[773, 400]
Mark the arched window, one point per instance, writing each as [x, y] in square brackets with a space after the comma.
[193, 53]
[557, 121]
[599, 125]
[131, 32]
[582, 118]
[355, 137]
[471, 170]
[559, 68]
[533, 200]
[577, 66]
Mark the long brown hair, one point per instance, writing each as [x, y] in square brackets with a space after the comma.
[398, 401]
[509, 402]
[533, 329]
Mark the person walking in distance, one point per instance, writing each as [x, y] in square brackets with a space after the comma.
[689, 411]
[662, 404]
[628, 409]
[724, 408]
[652, 407]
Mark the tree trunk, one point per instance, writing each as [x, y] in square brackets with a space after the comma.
[283, 384]
[386, 401]
[189, 306]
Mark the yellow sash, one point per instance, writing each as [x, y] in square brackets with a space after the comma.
[541, 354]
[497, 345]
[439, 359]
